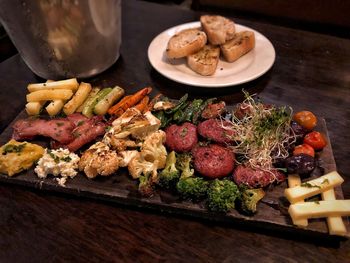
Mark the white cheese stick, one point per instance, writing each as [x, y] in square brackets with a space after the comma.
[313, 187]
[33, 108]
[293, 181]
[319, 209]
[50, 94]
[335, 223]
[54, 107]
[78, 98]
[71, 84]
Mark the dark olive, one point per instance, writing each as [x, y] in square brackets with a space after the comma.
[301, 164]
[298, 131]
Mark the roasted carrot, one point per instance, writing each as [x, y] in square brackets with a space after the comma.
[121, 107]
[123, 100]
[142, 105]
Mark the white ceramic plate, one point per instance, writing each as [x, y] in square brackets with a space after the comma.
[248, 67]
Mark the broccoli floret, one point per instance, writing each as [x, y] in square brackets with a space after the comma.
[222, 195]
[170, 174]
[249, 199]
[146, 185]
[194, 188]
[189, 186]
[183, 163]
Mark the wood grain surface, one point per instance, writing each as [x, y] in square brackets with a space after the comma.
[311, 72]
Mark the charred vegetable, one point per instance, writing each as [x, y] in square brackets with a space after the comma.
[146, 185]
[183, 111]
[170, 174]
[188, 112]
[184, 164]
[249, 199]
[194, 188]
[189, 186]
[222, 195]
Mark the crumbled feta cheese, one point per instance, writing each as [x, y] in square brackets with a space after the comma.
[61, 181]
[58, 162]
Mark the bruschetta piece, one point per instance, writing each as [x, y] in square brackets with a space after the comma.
[219, 29]
[205, 61]
[242, 43]
[185, 43]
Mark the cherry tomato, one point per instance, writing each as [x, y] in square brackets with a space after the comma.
[305, 149]
[316, 140]
[306, 119]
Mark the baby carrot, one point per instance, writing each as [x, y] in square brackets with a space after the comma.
[122, 106]
[116, 106]
[142, 105]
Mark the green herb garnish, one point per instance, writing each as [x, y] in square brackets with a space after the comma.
[53, 156]
[59, 124]
[76, 134]
[315, 198]
[282, 169]
[308, 185]
[80, 123]
[325, 181]
[66, 159]
[11, 148]
[183, 132]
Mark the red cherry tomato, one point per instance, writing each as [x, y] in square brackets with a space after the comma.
[316, 140]
[305, 119]
[305, 149]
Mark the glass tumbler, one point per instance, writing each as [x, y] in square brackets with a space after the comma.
[64, 38]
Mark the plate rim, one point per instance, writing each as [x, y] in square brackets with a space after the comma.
[151, 59]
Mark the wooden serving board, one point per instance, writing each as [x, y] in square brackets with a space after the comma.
[120, 188]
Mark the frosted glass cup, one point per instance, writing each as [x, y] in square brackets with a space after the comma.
[64, 38]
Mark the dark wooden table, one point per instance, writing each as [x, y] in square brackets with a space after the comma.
[311, 72]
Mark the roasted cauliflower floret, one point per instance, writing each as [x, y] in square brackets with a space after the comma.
[119, 126]
[99, 160]
[139, 166]
[123, 144]
[141, 126]
[126, 157]
[132, 124]
[126, 117]
[115, 133]
[153, 149]
[145, 172]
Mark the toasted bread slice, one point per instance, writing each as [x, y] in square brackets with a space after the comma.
[241, 44]
[204, 62]
[185, 43]
[218, 29]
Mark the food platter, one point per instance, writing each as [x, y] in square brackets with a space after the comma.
[120, 188]
[247, 68]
